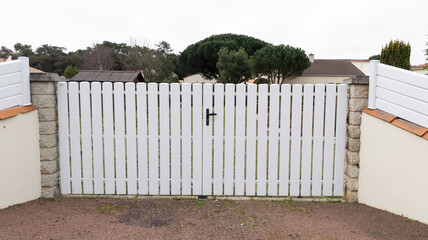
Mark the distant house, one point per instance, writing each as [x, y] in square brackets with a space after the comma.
[325, 71]
[421, 68]
[33, 70]
[197, 78]
[108, 76]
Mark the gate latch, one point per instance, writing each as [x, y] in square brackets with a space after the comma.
[208, 115]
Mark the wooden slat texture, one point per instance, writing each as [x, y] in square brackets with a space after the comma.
[339, 159]
[10, 79]
[207, 154]
[142, 159]
[164, 138]
[109, 171]
[97, 137]
[85, 107]
[404, 76]
[76, 164]
[197, 122]
[273, 140]
[153, 139]
[403, 89]
[262, 140]
[250, 188]
[308, 103]
[218, 138]
[64, 144]
[119, 138]
[175, 139]
[131, 138]
[317, 159]
[186, 146]
[296, 116]
[229, 140]
[284, 154]
[240, 140]
[329, 140]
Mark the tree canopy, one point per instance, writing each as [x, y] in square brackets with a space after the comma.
[396, 53]
[202, 57]
[158, 64]
[233, 66]
[278, 63]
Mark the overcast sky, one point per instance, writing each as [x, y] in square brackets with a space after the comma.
[351, 29]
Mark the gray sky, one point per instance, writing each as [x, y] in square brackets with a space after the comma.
[351, 29]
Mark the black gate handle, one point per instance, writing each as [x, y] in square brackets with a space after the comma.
[209, 114]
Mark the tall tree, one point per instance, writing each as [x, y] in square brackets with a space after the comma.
[202, 57]
[279, 63]
[70, 71]
[98, 57]
[233, 66]
[5, 52]
[49, 59]
[397, 54]
[375, 57]
[23, 50]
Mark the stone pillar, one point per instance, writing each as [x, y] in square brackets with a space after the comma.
[358, 88]
[43, 96]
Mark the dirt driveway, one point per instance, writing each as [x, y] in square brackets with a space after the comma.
[98, 218]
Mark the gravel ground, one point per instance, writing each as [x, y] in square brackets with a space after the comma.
[154, 218]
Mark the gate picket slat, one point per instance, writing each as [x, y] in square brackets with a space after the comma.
[175, 139]
[329, 140]
[340, 139]
[240, 140]
[97, 136]
[229, 130]
[207, 147]
[296, 117]
[197, 139]
[85, 107]
[143, 174]
[250, 188]
[284, 154]
[218, 138]
[119, 137]
[273, 140]
[318, 139]
[131, 143]
[153, 139]
[308, 103]
[262, 140]
[108, 138]
[186, 146]
[76, 165]
[64, 144]
[164, 138]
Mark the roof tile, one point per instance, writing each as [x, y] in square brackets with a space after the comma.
[10, 112]
[409, 126]
[380, 114]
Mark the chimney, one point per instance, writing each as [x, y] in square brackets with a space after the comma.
[311, 57]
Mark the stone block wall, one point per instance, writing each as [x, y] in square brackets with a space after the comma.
[43, 96]
[358, 92]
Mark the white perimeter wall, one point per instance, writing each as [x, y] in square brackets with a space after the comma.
[393, 169]
[19, 159]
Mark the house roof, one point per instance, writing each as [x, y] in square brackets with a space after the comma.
[108, 76]
[335, 67]
[420, 66]
[31, 68]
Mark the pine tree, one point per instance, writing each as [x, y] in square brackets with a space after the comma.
[397, 54]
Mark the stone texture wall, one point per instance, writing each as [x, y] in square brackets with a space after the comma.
[358, 89]
[43, 96]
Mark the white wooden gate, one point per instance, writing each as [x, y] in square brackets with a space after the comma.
[172, 139]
